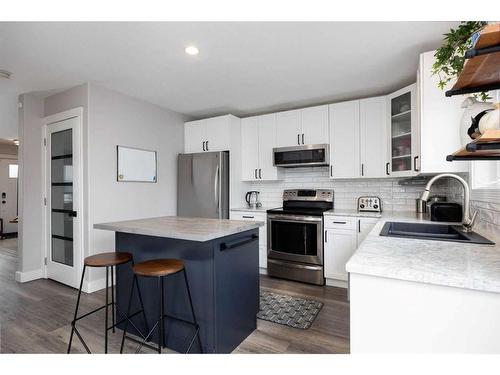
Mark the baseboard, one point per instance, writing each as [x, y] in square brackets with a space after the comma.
[94, 286]
[263, 271]
[24, 277]
[337, 283]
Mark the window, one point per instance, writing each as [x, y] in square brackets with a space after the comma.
[485, 174]
[13, 170]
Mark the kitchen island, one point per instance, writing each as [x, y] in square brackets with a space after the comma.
[423, 296]
[222, 265]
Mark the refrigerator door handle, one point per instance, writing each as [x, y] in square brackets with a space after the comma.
[217, 189]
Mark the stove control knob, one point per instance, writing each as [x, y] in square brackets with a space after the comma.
[375, 206]
[362, 205]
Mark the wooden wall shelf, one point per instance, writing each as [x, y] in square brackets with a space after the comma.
[486, 147]
[482, 69]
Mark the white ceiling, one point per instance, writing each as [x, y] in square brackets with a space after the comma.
[242, 68]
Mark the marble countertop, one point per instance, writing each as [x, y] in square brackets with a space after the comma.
[183, 228]
[351, 212]
[454, 264]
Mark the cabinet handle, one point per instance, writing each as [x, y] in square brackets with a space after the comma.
[415, 164]
[339, 222]
[248, 217]
[260, 173]
[207, 145]
[298, 139]
[359, 226]
[302, 138]
[255, 173]
[362, 169]
[331, 170]
[387, 169]
[203, 146]
[326, 236]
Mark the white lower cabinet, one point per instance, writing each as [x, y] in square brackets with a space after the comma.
[340, 244]
[255, 216]
[365, 225]
[342, 237]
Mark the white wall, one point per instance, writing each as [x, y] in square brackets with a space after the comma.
[109, 119]
[116, 119]
[30, 188]
[8, 116]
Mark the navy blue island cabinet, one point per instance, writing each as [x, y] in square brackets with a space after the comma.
[223, 275]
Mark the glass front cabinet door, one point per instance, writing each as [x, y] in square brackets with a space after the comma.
[402, 133]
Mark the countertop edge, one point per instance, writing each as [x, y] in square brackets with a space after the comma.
[192, 237]
[470, 281]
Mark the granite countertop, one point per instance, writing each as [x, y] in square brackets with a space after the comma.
[255, 210]
[183, 228]
[351, 212]
[454, 264]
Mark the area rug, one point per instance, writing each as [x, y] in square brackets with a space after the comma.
[287, 310]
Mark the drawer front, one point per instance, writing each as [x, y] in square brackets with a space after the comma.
[340, 222]
[252, 216]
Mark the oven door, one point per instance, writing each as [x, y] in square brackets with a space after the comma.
[295, 238]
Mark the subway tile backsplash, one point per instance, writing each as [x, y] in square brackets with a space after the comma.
[488, 215]
[394, 196]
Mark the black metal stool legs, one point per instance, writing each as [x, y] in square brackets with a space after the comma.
[194, 317]
[128, 317]
[161, 331]
[160, 324]
[73, 328]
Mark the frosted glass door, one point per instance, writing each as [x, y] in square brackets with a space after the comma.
[62, 197]
[63, 229]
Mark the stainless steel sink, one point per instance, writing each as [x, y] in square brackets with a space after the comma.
[437, 232]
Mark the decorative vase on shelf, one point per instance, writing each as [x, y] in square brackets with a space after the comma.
[472, 107]
[491, 120]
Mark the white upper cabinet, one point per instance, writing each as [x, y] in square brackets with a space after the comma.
[439, 119]
[315, 125]
[307, 126]
[212, 134]
[403, 132]
[258, 138]
[373, 137]
[288, 128]
[267, 141]
[195, 136]
[218, 134]
[249, 148]
[344, 140]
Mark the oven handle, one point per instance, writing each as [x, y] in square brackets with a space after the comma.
[296, 218]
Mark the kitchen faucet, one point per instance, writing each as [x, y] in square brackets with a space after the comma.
[467, 221]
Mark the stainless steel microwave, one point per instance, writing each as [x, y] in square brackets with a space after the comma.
[301, 156]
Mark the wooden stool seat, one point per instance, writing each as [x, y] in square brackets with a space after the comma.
[107, 259]
[158, 267]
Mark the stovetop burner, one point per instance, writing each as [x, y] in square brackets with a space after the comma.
[299, 211]
[305, 202]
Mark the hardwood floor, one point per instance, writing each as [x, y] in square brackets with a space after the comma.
[35, 317]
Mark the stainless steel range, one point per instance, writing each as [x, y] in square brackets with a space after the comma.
[295, 236]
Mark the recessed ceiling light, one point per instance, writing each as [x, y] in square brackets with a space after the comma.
[192, 50]
[5, 74]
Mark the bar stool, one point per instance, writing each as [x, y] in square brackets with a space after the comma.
[161, 268]
[108, 260]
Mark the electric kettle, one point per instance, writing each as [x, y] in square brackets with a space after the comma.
[252, 198]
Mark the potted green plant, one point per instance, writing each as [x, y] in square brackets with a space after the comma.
[450, 56]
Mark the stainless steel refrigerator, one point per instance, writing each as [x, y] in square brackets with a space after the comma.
[203, 185]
